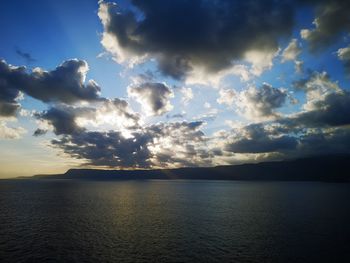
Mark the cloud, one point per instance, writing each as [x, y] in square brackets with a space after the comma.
[177, 115]
[26, 56]
[261, 60]
[332, 110]
[327, 105]
[153, 97]
[209, 114]
[270, 141]
[332, 19]
[65, 84]
[182, 35]
[289, 138]
[39, 132]
[329, 141]
[344, 56]
[8, 108]
[292, 51]
[256, 139]
[115, 114]
[257, 103]
[299, 66]
[7, 132]
[226, 96]
[110, 149]
[62, 119]
[110, 113]
[317, 86]
[9, 96]
[321, 129]
[207, 117]
[179, 144]
[159, 145]
[9, 105]
[187, 95]
[199, 75]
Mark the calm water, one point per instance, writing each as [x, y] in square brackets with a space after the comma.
[174, 221]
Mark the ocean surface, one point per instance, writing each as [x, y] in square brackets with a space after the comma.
[173, 221]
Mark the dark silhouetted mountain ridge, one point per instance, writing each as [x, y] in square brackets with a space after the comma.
[333, 168]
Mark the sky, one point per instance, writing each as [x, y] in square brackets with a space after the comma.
[165, 84]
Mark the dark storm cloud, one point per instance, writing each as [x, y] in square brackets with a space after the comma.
[332, 19]
[185, 33]
[154, 97]
[63, 84]
[26, 56]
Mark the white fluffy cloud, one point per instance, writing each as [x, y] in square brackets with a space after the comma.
[153, 97]
[200, 76]
[292, 51]
[7, 132]
[317, 86]
[344, 56]
[226, 96]
[344, 53]
[259, 103]
[187, 95]
[261, 60]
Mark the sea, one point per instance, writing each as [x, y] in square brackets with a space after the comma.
[49, 220]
